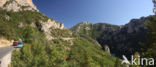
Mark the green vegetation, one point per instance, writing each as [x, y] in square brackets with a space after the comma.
[117, 63]
[59, 53]
[150, 46]
[82, 29]
[60, 33]
[14, 24]
[40, 52]
[93, 30]
[88, 55]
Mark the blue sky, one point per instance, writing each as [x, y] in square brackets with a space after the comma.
[71, 12]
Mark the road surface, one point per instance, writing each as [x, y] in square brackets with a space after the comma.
[5, 50]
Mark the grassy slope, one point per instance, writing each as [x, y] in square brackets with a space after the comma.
[39, 52]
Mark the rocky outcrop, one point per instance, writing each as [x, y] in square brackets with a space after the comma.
[17, 5]
[48, 25]
[51, 24]
[126, 41]
[80, 26]
[122, 40]
[135, 25]
[2, 2]
[94, 30]
[106, 48]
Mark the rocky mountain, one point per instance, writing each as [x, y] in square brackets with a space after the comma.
[48, 26]
[47, 43]
[17, 5]
[128, 39]
[122, 40]
[94, 30]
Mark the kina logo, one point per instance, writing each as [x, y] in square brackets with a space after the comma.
[138, 61]
[125, 61]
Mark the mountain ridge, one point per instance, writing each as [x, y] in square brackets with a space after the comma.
[118, 38]
[47, 43]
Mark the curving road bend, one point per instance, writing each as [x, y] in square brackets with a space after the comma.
[5, 50]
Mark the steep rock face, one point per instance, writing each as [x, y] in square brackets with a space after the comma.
[51, 24]
[48, 25]
[17, 5]
[122, 40]
[135, 25]
[126, 41]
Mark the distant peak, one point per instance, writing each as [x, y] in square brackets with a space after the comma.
[17, 5]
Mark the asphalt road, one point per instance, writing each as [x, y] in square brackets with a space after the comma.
[5, 50]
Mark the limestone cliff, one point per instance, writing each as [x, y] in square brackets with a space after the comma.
[17, 5]
[122, 40]
[50, 24]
